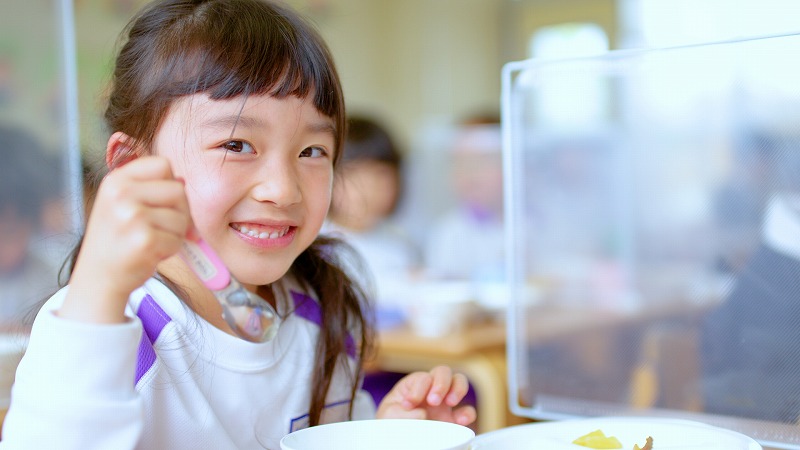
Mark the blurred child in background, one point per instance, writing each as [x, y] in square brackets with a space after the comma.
[366, 192]
[467, 241]
[26, 180]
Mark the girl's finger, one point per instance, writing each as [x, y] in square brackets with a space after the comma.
[144, 168]
[170, 221]
[442, 379]
[458, 389]
[151, 193]
[162, 245]
[465, 415]
[162, 193]
[414, 389]
[131, 215]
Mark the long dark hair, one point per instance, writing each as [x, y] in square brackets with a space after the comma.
[227, 49]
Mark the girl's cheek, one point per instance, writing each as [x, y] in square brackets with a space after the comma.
[205, 202]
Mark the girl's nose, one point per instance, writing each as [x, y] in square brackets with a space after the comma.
[278, 185]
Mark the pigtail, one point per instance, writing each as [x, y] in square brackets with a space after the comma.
[344, 309]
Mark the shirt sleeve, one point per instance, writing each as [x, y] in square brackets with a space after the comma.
[74, 388]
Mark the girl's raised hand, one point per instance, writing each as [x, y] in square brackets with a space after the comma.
[140, 217]
[433, 395]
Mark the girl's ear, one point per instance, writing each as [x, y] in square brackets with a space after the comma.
[120, 150]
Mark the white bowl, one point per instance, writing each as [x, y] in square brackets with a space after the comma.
[436, 307]
[383, 434]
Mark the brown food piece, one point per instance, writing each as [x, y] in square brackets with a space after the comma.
[647, 446]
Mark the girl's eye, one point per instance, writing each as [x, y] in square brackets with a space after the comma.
[313, 152]
[238, 147]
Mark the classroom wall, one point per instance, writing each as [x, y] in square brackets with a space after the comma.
[420, 63]
[416, 64]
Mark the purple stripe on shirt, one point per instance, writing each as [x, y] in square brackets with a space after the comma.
[154, 319]
[307, 308]
[145, 358]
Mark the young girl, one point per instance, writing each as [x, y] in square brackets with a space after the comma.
[228, 118]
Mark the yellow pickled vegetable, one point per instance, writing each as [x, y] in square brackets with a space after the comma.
[597, 439]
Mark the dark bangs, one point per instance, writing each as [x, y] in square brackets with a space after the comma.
[238, 48]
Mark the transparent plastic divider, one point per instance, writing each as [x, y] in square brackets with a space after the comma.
[653, 235]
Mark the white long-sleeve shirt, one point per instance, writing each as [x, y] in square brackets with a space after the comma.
[180, 384]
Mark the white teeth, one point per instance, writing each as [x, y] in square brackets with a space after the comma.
[261, 235]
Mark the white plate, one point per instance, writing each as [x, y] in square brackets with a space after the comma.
[666, 433]
[383, 434]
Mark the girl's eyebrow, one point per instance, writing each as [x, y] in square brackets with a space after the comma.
[321, 127]
[236, 121]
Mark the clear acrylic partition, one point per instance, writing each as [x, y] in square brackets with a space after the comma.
[40, 200]
[653, 222]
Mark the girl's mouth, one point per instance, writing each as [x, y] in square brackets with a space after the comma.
[264, 233]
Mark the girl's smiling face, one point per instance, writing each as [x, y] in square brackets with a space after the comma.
[258, 175]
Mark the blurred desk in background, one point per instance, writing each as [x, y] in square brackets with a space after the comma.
[478, 351]
[581, 341]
